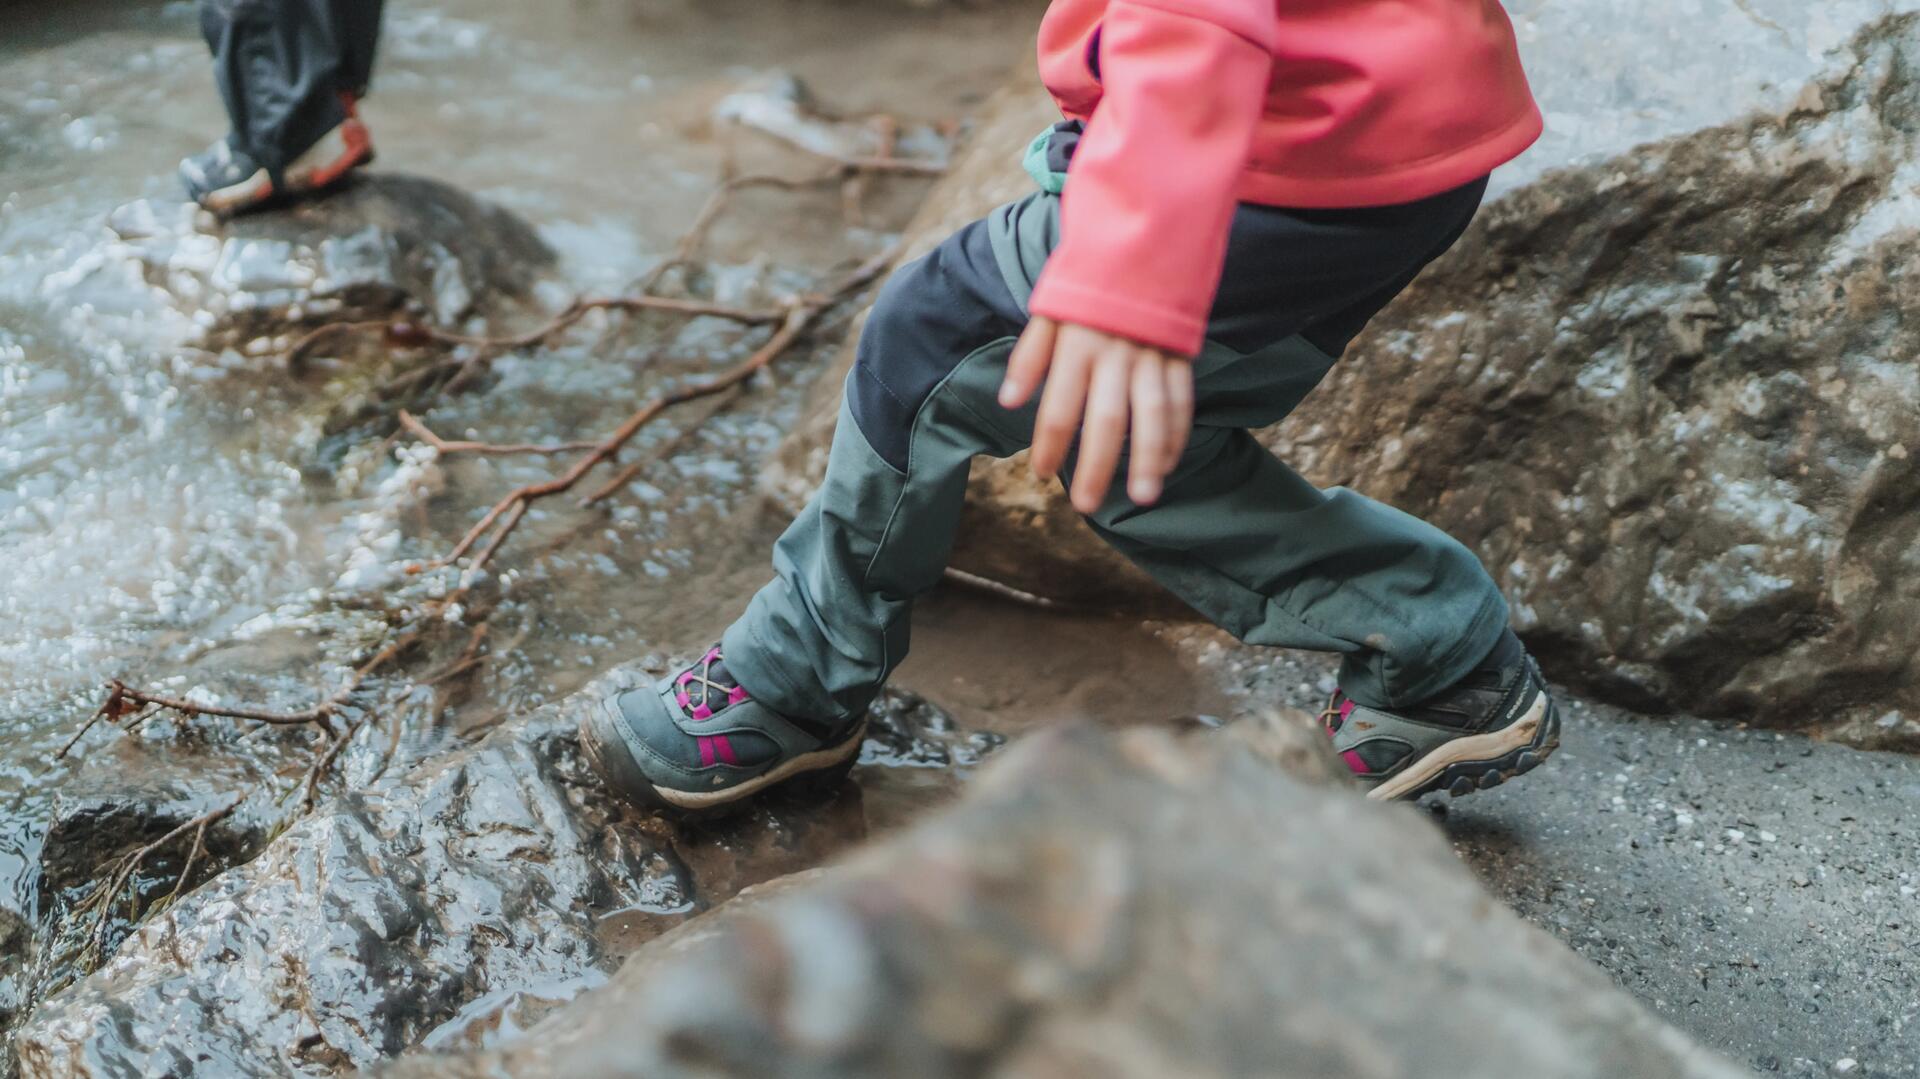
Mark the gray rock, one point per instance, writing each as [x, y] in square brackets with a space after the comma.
[1132, 904]
[1664, 386]
[383, 243]
[466, 897]
[1670, 399]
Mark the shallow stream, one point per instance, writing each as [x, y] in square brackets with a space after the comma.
[179, 517]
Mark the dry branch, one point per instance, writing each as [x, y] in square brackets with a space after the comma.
[411, 424]
[508, 511]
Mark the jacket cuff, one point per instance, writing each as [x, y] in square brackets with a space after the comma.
[1147, 323]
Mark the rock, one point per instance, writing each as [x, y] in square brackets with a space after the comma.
[1123, 904]
[124, 796]
[1664, 385]
[16, 939]
[383, 243]
[780, 105]
[465, 898]
[1669, 396]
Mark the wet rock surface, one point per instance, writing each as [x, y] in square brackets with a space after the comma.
[382, 243]
[1115, 904]
[1664, 386]
[445, 907]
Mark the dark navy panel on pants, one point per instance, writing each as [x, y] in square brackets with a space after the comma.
[931, 314]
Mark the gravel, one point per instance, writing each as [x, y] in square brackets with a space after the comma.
[1758, 889]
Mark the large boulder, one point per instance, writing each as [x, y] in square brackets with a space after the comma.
[1115, 904]
[1664, 386]
[467, 895]
[1670, 396]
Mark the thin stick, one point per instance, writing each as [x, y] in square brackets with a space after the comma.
[681, 438]
[1006, 591]
[100, 900]
[325, 763]
[419, 430]
[120, 691]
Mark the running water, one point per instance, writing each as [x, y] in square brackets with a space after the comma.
[178, 517]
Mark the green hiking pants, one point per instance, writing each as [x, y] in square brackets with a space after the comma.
[1237, 534]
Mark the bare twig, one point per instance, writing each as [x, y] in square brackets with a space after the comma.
[884, 162]
[666, 449]
[1005, 591]
[99, 902]
[120, 694]
[412, 425]
[324, 763]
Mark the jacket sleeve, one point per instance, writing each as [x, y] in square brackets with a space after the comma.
[1150, 197]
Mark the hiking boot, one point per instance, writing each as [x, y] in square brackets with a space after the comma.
[697, 740]
[228, 181]
[1492, 725]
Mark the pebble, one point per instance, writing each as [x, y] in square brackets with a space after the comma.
[1845, 1066]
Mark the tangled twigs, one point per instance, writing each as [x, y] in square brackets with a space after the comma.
[506, 514]
[123, 699]
[99, 902]
[578, 309]
[417, 334]
[717, 202]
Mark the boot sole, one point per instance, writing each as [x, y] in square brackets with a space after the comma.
[607, 754]
[1480, 761]
[324, 164]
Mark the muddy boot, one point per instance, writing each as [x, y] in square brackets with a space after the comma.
[697, 740]
[1495, 723]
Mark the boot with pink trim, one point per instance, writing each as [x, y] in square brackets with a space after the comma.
[697, 740]
[1497, 722]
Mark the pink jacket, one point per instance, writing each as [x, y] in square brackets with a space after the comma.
[1194, 105]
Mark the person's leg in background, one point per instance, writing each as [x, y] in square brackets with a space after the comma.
[289, 73]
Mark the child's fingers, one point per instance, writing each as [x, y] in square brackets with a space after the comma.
[1027, 367]
[1105, 429]
[1147, 464]
[1061, 403]
[1179, 377]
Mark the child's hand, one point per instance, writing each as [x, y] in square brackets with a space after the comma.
[1095, 383]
